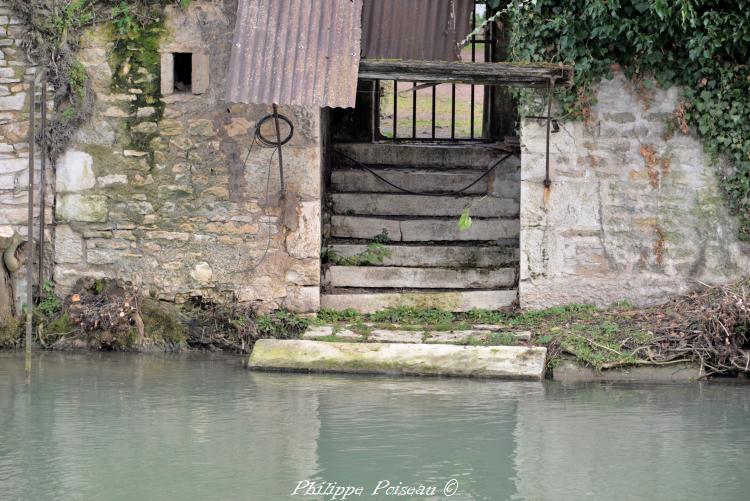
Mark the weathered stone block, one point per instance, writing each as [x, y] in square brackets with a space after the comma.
[111, 179]
[303, 299]
[13, 103]
[68, 245]
[201, 127]
[13, 165]
[202, 273]
[167, 73]
[74, 207]
[102, 256]
[75, 172]
[201, 71]
[7, 181]
[304, 242]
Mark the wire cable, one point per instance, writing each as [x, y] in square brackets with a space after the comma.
[423, 193]
[275, 144]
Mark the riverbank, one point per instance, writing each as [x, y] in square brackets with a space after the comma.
[707, 330]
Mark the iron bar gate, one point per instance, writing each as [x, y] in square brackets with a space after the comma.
[487, 42]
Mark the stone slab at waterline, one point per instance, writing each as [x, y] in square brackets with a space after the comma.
[501, 362]
[568, 371]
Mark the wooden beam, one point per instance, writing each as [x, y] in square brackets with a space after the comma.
[513, 74]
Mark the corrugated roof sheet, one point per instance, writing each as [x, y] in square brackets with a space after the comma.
[303, 52]
[425, 30]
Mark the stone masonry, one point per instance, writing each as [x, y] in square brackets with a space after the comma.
[165, 192]
[191, 212]
[16, 79]
[634, 211]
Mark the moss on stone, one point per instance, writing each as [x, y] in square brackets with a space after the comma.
[10, 332]
[136, 62]
[161, 322]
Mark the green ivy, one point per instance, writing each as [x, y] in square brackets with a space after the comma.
[701, 45]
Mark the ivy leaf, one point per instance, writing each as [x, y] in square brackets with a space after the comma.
[464, 222]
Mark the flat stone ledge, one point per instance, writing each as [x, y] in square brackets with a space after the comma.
[570, 372]
[452, 301]
[326, 331]
[501, 362]
[395, 336]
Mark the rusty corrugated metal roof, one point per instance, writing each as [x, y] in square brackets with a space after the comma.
[303, 52]
[426, 30]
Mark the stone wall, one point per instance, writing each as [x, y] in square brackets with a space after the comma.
[634, 211]
[16, 79]
[161, 191]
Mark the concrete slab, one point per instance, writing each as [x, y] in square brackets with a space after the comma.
[450, 301]
[418, 278]
[383, 204]
[436, 256]
[502, 362]
[569, 372]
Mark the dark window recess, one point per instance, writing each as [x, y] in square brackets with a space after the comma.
[183, 72]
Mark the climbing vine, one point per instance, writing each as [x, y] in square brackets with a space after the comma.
[701, 45]
[55, 28]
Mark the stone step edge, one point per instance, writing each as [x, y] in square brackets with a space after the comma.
[330, 333]
[418, 277]
[456, 301]
[427, 256]
[499, 362]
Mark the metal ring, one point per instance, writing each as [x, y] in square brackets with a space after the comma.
[274, 141]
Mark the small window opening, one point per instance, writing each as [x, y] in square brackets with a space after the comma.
[183, 72]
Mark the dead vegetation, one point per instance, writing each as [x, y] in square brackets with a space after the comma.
[710, 327]
[109, 315]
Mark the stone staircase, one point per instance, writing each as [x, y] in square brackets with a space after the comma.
[422, 258]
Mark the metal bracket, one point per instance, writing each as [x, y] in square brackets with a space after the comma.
[550, 93]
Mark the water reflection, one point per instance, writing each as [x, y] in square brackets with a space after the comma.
[197, 427]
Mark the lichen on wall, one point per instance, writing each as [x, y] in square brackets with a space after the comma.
[635, 210]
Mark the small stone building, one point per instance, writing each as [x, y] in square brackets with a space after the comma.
[171, 190]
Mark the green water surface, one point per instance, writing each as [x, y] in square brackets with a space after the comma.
[198, 427]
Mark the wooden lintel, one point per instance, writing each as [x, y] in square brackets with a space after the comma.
[512, 74]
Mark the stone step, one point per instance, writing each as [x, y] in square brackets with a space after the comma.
[435, 156]
[417, 278]
[382, 204]
[455, 301]
[508, 362]
[418, 181]
[423, 230]
[435, 256]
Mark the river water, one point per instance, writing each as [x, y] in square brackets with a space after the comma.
[138, 427]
